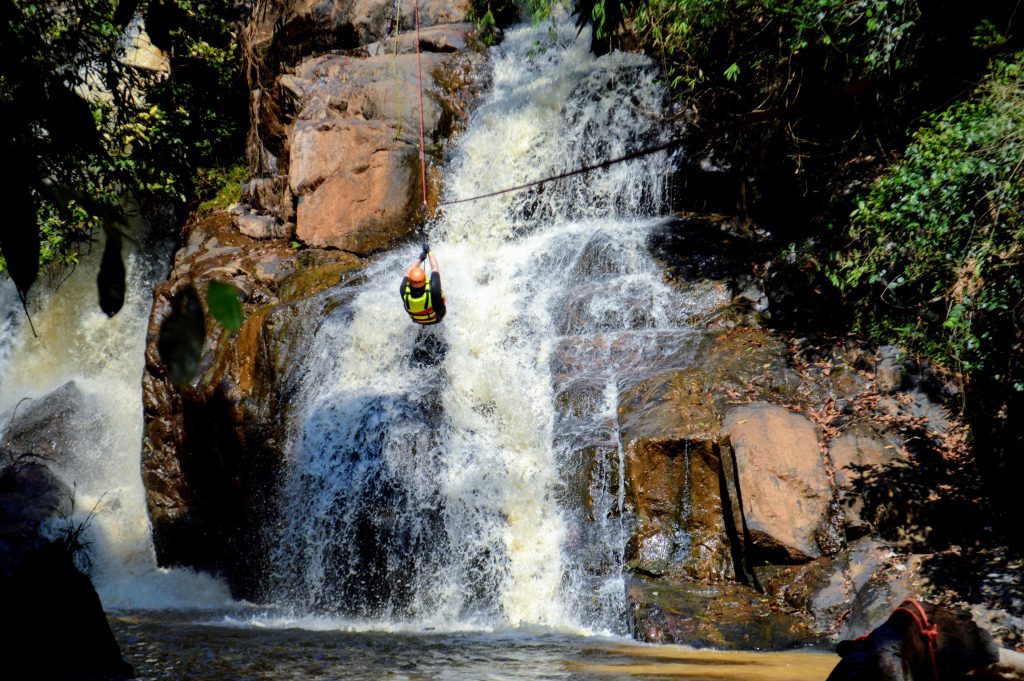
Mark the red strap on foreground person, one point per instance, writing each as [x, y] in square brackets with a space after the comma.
[927, 629]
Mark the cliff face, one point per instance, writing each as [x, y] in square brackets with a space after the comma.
[336, 177]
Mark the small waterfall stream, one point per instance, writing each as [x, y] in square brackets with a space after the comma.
[469, 474]
[104, 358]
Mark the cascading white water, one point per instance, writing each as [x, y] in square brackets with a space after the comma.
[104, 357]
[435, 474]
[10, 306]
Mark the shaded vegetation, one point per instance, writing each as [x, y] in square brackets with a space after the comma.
[936, 251]
[92, 130]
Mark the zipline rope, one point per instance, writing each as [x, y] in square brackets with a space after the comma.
[585, 169]
[536, 183]
[419, 82]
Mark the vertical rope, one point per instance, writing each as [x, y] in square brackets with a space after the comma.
[394, 67]
[419, 82]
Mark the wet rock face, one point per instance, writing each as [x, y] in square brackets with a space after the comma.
[680, 474]
[723, 615]
[674, 485]
[784, 487]
[48, 427]
[210, 450]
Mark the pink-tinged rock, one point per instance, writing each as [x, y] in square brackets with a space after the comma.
[384, 88]
[784, 487]
[321, 150]
[363, 210]
[441, 38]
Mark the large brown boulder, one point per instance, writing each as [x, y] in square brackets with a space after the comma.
[860, 459]
[362, 212]
[341, 159]
[785, 490]
[354, 150]
[683, 490]
[383, 88]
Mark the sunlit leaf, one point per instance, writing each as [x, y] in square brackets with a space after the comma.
[222, 300]
[181, 337]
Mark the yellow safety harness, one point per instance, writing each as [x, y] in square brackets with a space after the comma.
[421, 308]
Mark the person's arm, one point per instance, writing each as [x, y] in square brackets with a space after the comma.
[419, 261]
[433, 263]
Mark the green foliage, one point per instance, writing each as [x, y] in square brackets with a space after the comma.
[88, 132]
[936, 252]
[695, 38]
[492, 15]
[223, 186]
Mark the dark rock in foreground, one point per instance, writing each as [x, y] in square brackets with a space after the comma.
[53, 624]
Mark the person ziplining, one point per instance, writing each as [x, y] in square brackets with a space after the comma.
[423, 300]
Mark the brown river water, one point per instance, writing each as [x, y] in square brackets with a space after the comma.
[215, 647]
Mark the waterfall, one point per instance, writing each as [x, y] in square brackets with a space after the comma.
[104, 357]
[470, 473]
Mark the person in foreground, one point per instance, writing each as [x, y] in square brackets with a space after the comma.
[925, 642]
[423, 300]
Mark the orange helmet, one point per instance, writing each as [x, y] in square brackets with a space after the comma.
[417, 278]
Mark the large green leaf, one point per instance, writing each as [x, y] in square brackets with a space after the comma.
[222, 300]
[181, 337]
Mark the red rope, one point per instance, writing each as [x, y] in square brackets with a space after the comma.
[419, 82]
[927, 629]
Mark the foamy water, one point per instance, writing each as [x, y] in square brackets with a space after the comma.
[105, 358]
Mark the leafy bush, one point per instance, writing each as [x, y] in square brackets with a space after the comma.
[702, 41]
[88, 132]
[936, 252]
[223, 186]
[492, 15]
